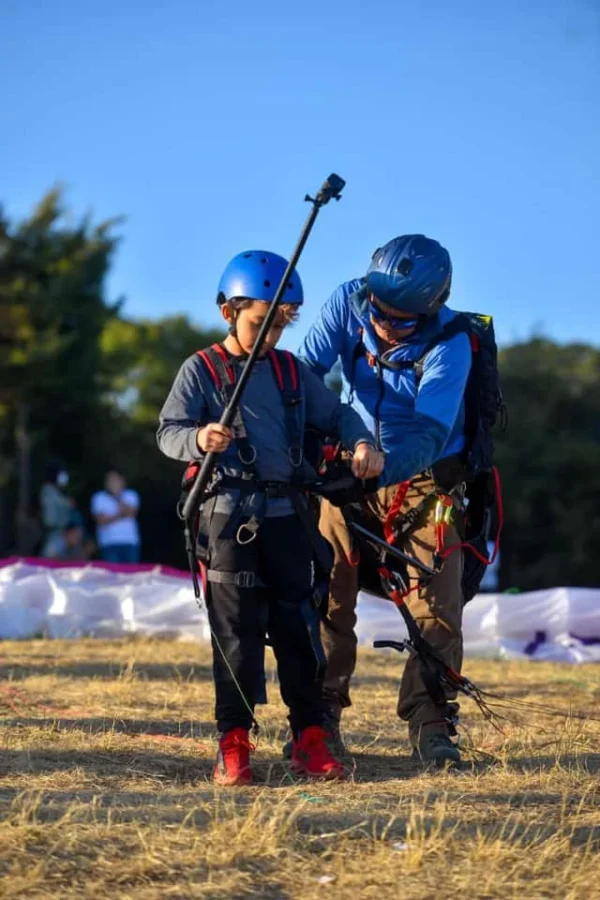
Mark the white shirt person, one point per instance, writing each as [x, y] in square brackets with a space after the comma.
[115, 511]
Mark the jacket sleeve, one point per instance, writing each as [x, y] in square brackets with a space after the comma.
[439, 400]
[184, 411]
[325, 340]
[326, 412]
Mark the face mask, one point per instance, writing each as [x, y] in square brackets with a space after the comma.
[62, 479]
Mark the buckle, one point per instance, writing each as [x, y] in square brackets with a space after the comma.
[275, 489]
[246, 579]
[251, 528]
[296, 456]
[251, 454]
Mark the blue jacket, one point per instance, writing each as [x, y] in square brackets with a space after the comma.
[416, 426]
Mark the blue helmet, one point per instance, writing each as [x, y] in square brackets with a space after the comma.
[412, 274]
[256, 274]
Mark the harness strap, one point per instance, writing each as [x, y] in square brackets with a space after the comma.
[285, 370]
[322, 553]
[389, 526]
[467, 545]
[239, 579]
[220, 366]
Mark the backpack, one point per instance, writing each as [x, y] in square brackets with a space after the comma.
[484, 404]
[484, 408]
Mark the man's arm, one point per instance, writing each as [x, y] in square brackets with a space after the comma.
[326, 413]
[439, 399]
[324, 342]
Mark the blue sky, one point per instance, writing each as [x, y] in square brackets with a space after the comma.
[204, 123]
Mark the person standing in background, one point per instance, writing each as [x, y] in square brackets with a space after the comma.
[115, 511]
[56, 510]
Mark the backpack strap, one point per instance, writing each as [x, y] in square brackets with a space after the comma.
[458, 325]
[287, 375]
[219, 365]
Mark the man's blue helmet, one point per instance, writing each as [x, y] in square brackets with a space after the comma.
[256, 274]
[411, 273]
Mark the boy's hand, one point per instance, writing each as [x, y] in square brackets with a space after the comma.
[367, 462]
[214, 438]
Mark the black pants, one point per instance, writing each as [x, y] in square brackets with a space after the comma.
[281, 605]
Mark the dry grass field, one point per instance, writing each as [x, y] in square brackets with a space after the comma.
[105, 792]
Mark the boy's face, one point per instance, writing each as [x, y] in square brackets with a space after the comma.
[248, 323]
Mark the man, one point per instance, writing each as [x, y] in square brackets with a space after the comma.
[115, 511]
[378, 327]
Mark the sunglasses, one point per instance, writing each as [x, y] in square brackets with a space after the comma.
[394, 321]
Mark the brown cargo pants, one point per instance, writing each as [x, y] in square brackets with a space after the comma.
[437, 608]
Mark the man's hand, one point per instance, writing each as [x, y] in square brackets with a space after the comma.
[214, 438]
[367, 462]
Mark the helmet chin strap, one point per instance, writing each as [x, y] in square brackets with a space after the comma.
[232, 330]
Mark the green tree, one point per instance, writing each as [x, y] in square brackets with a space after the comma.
[52, 313]
[549, 461]
[139, 362]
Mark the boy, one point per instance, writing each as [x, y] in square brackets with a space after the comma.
[258, 554]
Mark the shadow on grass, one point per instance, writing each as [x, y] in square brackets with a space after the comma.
[108, 671]
[184, 728]
[319, 822]
[587, 762]
[104, 763]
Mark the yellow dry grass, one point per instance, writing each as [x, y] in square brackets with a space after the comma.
[107, 750]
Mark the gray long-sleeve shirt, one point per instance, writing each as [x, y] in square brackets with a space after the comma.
[194, 401]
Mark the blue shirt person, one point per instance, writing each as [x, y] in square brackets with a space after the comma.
[377, 327]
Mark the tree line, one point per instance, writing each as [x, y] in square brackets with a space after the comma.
[81, 384]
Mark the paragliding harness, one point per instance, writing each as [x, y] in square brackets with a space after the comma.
[245, 520]
[383, 569]
[471, 477]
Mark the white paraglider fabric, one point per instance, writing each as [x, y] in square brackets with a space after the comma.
[38, 597]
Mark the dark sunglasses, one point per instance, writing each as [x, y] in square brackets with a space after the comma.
[393, 321]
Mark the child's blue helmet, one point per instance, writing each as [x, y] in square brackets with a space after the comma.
[412, 274]
[256, 275]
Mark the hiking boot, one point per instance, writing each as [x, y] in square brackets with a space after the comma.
[331, 723]
[233, 759]
[311, 755]
[437, 748]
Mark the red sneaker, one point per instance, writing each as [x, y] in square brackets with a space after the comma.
[233, 759]
[311, 756]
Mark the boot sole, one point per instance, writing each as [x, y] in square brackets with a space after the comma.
[331, 775]
[442, 763]
[229, 781]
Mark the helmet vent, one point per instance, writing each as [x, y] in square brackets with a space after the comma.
[405, 266]
[267, 283]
